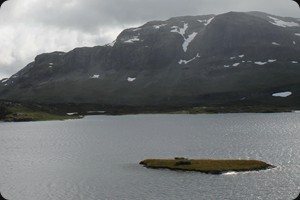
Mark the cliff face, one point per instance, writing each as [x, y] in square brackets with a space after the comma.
[192, 60]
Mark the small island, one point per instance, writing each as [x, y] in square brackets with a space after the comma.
[206, 166]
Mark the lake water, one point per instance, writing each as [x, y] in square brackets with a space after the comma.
[96, 158]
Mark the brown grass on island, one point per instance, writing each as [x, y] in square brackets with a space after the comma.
[206, 165]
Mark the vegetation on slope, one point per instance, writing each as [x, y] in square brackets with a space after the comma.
[16, 112]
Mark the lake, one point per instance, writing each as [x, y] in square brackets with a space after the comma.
[96, 158]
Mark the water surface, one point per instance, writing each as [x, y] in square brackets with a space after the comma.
[97, 157]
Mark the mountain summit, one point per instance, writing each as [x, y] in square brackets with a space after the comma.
[191, 60]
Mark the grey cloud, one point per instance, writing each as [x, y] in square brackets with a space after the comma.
[88, 15]
[49, 25]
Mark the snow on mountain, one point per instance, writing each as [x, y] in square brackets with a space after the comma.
[159, 26]
[206, 21]
[282, 94]
[260, 63]
[95, 76]
[188, 60]
[188, 40]
[181, 31]
[130, 79]
[275, 43]
[134, 39]
[4, 80]
[282, 23]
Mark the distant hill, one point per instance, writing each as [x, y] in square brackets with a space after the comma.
[232, 58]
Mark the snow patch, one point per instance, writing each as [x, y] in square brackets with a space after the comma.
[272, 60]
[234, 57]
[236, 64]
[129, 79]
[297, 34]
[134, 39]
[187, 61]
[294, 42]
[282, 94]
[95, 76]
[275, 43]
[260, 63]
[206, 21]
[226, 66]
[278, 22]
[4, 80]
[181, 31]
[159, 26]
[188, 40]
[295, 62]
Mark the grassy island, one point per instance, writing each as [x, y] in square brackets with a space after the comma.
[206, 166]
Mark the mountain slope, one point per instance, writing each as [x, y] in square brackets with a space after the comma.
[193, 60]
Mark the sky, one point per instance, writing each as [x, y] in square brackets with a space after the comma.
[32, 27]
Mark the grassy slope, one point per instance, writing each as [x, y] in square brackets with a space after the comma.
[234, 109]
[20, 112]
[207, 166]
[13, 111]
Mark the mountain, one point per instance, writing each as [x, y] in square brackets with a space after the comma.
[226, 59]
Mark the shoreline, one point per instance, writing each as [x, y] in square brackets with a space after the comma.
[23, 112]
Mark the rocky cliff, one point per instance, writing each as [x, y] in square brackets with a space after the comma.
[192, 60]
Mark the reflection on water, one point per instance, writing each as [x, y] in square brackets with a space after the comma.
[97, 157]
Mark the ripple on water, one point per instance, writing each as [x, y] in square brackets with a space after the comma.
[96, 157]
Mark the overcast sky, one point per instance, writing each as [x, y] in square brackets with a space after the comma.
[31, 27]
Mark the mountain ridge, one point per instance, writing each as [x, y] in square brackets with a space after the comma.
[189, 60]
